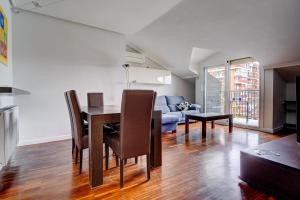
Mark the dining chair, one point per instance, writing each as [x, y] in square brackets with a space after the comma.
[79, 131]
[95, 100]
[134, 137]
[71, 122]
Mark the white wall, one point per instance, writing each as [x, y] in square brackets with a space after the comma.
[52, 56]
[268, 100]
[6, 77]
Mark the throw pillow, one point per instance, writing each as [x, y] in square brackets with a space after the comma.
[183, 106]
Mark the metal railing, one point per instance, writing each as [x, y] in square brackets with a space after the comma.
[245, 104]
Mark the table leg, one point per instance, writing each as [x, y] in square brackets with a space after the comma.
[156, 149]
[187, 124]
[212, 124]
[230, 124]
[204, 129]
[95, 152]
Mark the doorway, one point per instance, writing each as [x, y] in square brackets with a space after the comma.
[234, 88]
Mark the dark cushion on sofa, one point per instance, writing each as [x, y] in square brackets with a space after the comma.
[173, 101]
[161, 104]
[169, 119]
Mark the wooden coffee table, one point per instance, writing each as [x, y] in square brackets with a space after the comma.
[205, 117]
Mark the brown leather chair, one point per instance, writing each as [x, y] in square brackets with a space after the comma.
[80, 133]
[71, 121]
[134, 137]
[95, 100]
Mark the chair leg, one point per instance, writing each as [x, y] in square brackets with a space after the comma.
[148, 166]
[76, 155]
[136, 160]
[80, 162]
[106, 156]
[121, 173]
[73, 146]
[117, 161]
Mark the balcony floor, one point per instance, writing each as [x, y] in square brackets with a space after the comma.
[243, 121]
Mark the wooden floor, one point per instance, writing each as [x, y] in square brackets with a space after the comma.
[193, 168]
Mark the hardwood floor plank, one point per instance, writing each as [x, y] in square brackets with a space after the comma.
[193, 168]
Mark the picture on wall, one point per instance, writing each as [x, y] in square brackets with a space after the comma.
[3, 37]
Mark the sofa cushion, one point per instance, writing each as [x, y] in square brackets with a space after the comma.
[178, 114]
[161, 104]
[173, 101]
[169, 119]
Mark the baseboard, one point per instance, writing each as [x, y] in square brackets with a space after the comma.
[44, 140]
[272, 130]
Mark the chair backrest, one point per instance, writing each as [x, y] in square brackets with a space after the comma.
[136, 115]
[95, 100]
[78, 125]
[70, 113]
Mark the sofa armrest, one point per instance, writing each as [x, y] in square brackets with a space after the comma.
[196, 107]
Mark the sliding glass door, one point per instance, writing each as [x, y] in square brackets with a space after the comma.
[244, 92]
[234, 88]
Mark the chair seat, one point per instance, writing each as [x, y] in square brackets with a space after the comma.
[113, 140]
[106, 132]
[169, 119]
[107, 127]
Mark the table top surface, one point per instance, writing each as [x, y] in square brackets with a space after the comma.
[210, 114]
[106, 109]
[285, 151]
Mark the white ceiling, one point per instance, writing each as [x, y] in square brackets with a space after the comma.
[168, 30]
[123, 16]
[268, 30]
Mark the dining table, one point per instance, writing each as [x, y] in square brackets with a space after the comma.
[97, 117]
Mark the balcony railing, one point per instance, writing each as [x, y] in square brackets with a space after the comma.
[245, 104]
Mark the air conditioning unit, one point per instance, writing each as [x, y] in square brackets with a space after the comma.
[131, 57]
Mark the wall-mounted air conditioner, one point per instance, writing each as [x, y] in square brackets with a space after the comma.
[149, 75]
[131, 57]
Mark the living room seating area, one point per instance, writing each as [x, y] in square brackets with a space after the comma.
[171, 114]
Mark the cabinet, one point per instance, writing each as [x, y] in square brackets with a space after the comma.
[149, 75]
[9, 133]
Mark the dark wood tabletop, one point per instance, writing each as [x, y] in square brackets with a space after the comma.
[96, 118]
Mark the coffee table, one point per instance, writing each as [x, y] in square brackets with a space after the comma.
[205, 117]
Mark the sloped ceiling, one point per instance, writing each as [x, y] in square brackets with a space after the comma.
[268, 30]
[168, 30]
[123, 16]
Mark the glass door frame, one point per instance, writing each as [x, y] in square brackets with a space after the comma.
[227, 93]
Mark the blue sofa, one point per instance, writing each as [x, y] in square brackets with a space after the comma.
[171, 115]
